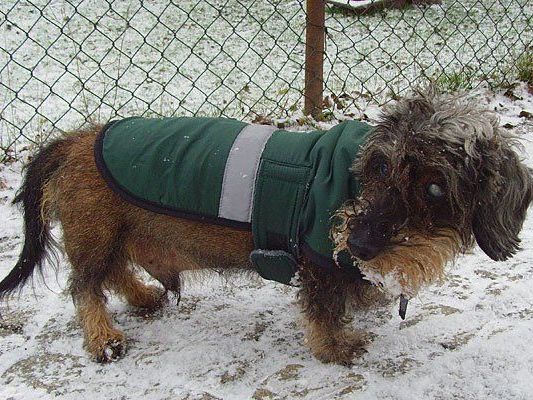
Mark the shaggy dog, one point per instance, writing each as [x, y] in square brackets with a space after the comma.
[437, 175]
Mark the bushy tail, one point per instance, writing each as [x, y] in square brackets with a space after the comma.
[37, 237]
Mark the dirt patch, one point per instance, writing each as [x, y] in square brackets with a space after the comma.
[50, 372]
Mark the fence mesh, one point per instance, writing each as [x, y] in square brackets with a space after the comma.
[67, 63]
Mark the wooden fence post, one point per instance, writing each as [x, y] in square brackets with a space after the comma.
[314, 57]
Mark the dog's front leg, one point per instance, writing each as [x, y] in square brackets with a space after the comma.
[323, 296]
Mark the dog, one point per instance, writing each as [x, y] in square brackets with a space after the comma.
[432, 178]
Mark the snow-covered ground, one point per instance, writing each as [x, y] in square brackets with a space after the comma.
[469, 338]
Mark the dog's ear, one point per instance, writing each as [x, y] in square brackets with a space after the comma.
[503, 199]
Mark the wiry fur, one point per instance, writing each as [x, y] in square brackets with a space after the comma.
[441, 139]
[38, 241]
[414, 260]
[423, 139]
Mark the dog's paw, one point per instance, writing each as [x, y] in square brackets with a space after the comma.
[150, 298]
[339, 348]
[357, 340]
[109, 349]
[112, 351]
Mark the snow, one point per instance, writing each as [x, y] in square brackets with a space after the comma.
[239, 339]
[390, 282]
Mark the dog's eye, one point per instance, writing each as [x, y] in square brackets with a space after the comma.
[383, 169]
[435, 190]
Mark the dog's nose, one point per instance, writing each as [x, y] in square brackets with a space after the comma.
[363, 249]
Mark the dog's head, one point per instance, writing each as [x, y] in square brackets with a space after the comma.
[437, 175]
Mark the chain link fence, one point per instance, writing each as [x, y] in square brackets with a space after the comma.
[64, 64]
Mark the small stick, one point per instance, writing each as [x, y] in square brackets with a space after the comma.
[369, 7]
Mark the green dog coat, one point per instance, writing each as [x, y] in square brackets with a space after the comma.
[283, 186]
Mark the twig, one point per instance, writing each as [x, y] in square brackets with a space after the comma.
[369, 7]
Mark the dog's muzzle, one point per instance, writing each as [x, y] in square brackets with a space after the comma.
[363, 246]
[371, 230]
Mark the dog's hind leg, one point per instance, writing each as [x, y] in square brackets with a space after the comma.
[102, 340]
[323, 297]
[127, 285]
[94, 255]
[159, 259]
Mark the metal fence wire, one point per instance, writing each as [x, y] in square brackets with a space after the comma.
[64, 64]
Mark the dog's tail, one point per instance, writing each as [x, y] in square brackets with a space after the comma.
[37, 237]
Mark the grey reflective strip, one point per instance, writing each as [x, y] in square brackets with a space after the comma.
[236, 197]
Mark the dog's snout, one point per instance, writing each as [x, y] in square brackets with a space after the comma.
[363, 250]
[371, 231]
[363, 247]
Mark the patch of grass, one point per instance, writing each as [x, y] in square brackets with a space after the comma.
[517, 68]
[457, 80]
[325, 116]
[333, 10]
[524, 67]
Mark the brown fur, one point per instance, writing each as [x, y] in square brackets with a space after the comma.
[415, 261]
[105, 236]
[326, 298]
